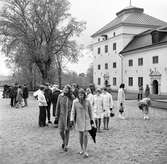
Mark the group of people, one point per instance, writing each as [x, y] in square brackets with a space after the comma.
[78, 107]
[18, 95]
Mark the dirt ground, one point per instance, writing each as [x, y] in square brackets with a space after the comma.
[129, 141]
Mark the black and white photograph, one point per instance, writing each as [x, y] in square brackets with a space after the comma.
[83, 82]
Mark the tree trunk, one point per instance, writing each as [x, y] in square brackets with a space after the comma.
[59, 76]
[43, 67]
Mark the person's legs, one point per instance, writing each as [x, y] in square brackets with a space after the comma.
[25, 101]
[81, 141]
[85, 143]
[62, 135]
[96, 122]
[11, 101]
[40, 117]
[104, 122]
[43, 115]
[48, 112]
[66, 139]
[99, 123]
[53, 109]
[107, 122]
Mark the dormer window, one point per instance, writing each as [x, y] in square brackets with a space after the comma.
[105, 37]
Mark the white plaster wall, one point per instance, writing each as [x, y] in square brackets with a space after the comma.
[144, 71]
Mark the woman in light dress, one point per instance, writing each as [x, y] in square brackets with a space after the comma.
[82, 113]
[98, 108]
[121, 100]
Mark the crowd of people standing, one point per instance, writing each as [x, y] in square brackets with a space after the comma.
[18, 95]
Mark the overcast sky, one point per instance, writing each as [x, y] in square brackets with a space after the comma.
[97, 13]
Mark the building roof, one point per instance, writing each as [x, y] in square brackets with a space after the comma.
[149, 38]
[131, 16]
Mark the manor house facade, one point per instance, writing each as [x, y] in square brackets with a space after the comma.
[131, 49]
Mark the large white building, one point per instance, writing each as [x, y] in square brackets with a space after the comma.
[131, 49]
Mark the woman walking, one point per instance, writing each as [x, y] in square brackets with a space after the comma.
[98, 108]
[62, 116]
[81, 110]
[121, 100]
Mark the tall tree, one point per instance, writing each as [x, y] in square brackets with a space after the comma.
[44, 29]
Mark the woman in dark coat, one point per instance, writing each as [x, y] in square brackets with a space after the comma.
[63, 112]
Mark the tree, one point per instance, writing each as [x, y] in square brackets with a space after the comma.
[43, 29]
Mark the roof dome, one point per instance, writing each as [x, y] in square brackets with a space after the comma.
[129, 9]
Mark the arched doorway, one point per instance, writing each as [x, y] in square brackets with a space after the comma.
[155, 87]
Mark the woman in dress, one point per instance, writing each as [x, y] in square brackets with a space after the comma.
[82, 113]
[63, 112]
[98, 108]
[121, 100]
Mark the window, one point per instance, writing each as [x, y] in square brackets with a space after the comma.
[155, 59]
[140, 61]
[114, 65]
[114, 81]
[113, 34]
[99, 81]
[130, 62]
[98, 67]
[114, 46]
[106, 65]
[140, 81]
[130, 81]
[98, 50]
[106, 48]
[98, 39]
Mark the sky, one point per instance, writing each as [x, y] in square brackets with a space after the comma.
[97, 13]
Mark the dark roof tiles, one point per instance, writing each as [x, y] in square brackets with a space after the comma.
[131, 17]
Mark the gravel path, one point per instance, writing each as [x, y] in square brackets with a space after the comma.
[130, 141]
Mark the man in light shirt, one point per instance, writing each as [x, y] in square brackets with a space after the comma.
[39, 94]
[107, 107]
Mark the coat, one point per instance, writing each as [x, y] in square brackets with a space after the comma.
[25, 92]
[82, 114]
[63, 111]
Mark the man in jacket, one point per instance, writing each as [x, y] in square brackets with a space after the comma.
[25, 94]
[42, 105]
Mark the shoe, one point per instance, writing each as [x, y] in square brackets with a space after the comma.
[81, 152]
[65, 149]
[49, 122]
[86, 155]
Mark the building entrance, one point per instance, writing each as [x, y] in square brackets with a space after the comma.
[155, 87]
